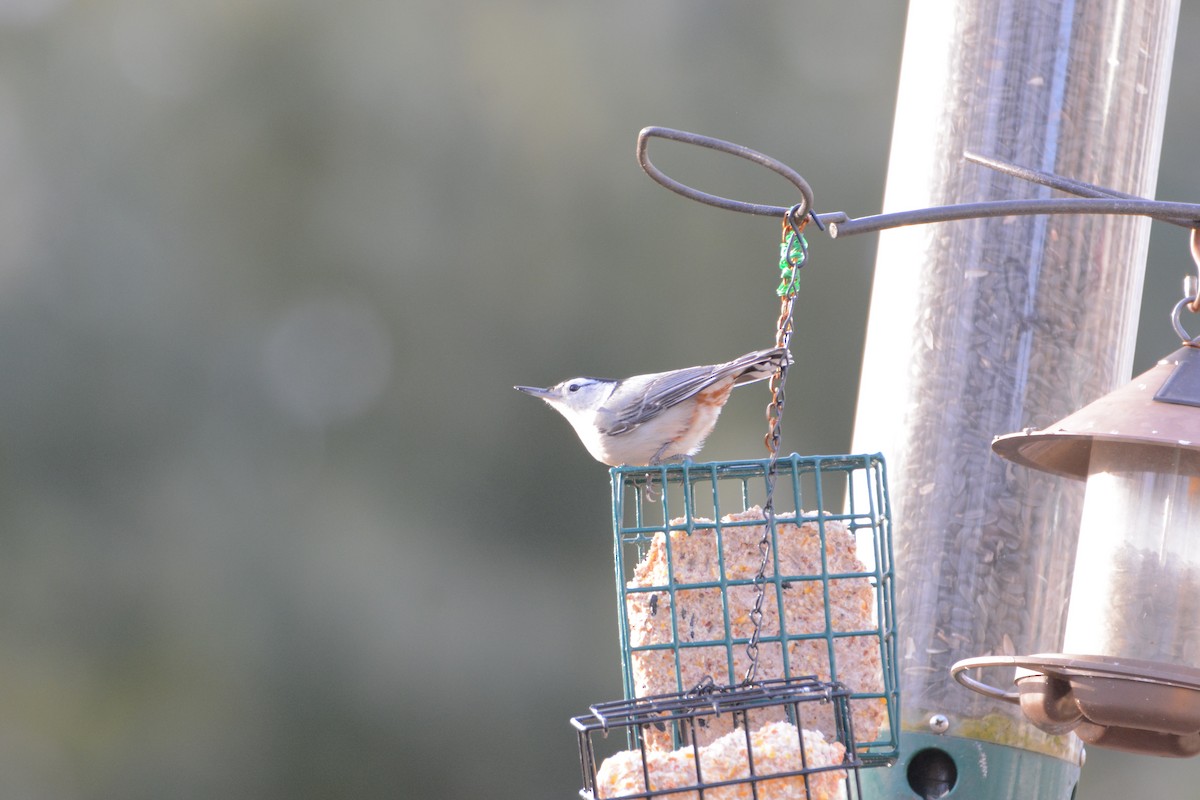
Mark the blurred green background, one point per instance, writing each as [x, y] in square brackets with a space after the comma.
[274, 522]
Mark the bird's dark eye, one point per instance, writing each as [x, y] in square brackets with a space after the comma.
[574, 387]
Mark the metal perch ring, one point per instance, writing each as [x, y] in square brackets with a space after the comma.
[778, 167]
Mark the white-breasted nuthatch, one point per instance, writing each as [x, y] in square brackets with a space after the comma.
[651, 419]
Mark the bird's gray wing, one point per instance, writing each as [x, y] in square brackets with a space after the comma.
[667, 390]
[671, 388]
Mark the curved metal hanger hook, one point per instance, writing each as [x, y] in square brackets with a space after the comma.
[1191, 286]
[1191, 295]
[778, 167]
[1094, 200]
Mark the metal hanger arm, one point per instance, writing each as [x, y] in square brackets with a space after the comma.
[1093, 200]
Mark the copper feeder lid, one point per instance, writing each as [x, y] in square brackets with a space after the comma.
[1128, 414]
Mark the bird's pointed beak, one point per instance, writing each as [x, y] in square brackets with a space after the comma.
[534, 390]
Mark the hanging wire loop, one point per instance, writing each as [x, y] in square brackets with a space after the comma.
[1186, 338]
[778, 167]
[1191, 295]
[1191, 285]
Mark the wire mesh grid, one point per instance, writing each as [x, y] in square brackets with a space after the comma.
[687, 552]
[784, 759]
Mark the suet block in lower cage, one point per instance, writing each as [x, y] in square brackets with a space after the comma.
[785, 759]
[688, 554]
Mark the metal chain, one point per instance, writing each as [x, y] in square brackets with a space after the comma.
[793, 254]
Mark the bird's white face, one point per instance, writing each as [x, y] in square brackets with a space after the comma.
[577, 396]
[578, 399]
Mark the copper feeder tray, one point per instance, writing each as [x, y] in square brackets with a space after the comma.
[1118, 703]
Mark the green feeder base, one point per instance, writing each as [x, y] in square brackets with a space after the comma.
[932, 766]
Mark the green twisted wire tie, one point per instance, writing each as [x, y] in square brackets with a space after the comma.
[793, 252]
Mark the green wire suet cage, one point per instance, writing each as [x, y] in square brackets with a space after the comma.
[689, 542]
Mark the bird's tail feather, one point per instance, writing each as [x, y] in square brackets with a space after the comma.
[760, 365]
